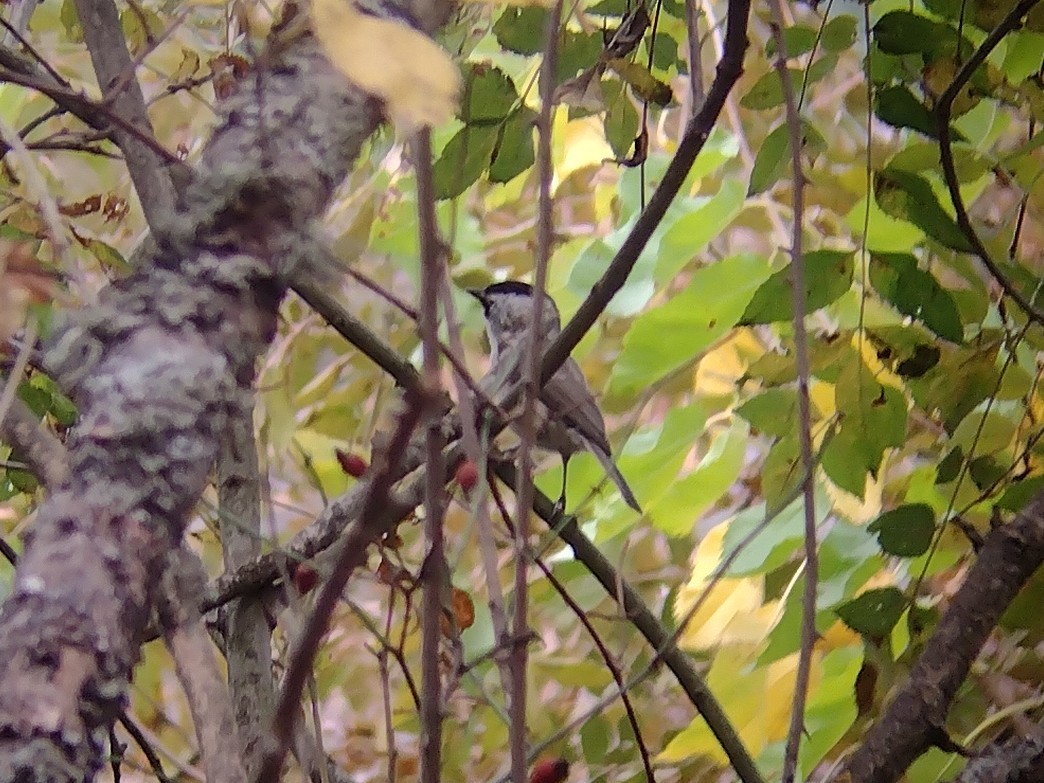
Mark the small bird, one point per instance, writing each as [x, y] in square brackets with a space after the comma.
[569, 420]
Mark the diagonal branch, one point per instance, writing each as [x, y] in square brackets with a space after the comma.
[942, 113]
[915, 719]
[729, 70]
[114, 67]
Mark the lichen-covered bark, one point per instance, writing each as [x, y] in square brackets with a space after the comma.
[155, 369]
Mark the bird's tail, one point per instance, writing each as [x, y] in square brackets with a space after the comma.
[614, 473]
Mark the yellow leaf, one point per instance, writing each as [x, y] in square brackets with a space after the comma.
[414, 78]
[757, 701]
[734, 611]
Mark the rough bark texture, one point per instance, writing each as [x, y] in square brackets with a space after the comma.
[916, 717]
[1015, 761]
[156, 368]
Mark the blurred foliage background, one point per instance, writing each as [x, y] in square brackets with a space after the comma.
[926, 412]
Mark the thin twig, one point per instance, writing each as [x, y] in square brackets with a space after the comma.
[798, 294]
[729, 70]
[942, 114]
[58, 78]
[531, 382]
[603, 650]
[662, 641]
[435, 575]
[351, 556]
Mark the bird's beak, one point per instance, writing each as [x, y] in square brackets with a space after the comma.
[478, 294]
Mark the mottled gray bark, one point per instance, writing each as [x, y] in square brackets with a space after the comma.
[156, 369]
[248, 640]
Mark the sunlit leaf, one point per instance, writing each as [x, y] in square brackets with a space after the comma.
[909, 197]
[797, 39]
[839, 33]
[410, 73]
[767, 92]
[709, 306]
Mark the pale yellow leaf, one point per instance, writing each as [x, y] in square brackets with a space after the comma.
[757, 700]
[734, 611]
[414, 78]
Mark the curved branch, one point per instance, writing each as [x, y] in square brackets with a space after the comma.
[916, 716]
[729, 70]
[942, 113]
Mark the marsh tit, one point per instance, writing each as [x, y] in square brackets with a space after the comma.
[568, 418]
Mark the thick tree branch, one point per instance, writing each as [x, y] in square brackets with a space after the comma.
[1019, 760]
[156, 369]
[100, 22]
[918, 712]
[248, 639]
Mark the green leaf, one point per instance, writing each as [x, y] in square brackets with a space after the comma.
[489, 95]
[874, 412]
[775, 154]
[905, 531]
[770, 162]
[515, 150]
[828, 275]
[909, 197]
[767, 92]
[897, 106]
[916, 293]
[782, 471]
[70, 20]
[641, 81]
[621, 119]
[464, 159]
[579, 51]
[874, 613]
[798, 40]
[140, 27]
[689, 497]
[772, 412]
[1018, 495]
[770, 549]
[839, 33]
[904, 32]
[698, 220]
[696, 318]
[843, 460]
[521, 29]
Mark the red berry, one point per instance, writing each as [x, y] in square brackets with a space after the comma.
[305, 578]
[467, 475]
[549, 771]
[352, 464]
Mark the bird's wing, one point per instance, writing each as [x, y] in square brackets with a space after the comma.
[570, 399]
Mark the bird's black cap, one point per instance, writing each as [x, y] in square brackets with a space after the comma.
[516, 287]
